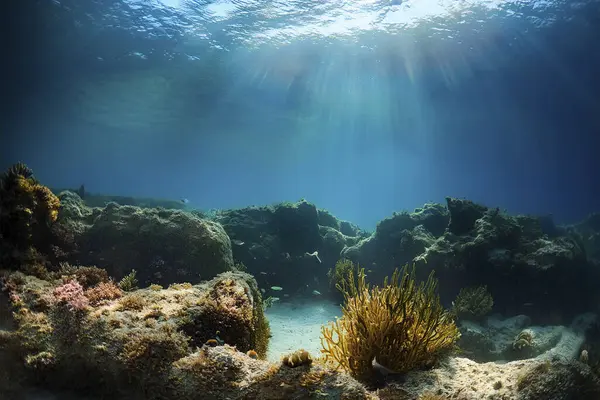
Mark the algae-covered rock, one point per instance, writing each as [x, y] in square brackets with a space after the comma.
[514, 338]
[163, 246]
[397, 241]
[224, 373]
[135, 336]
[525, 271]
[558, 380]
[463, 214]
[290, 245]
[148, 344]
[28, 210]
[228, 310]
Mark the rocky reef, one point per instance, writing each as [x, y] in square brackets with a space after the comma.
[119, 300]
[163, 245]
[103, 338]
[527, 264]
[551, 271]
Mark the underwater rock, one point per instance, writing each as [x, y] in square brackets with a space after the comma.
[231, 309]
[224, 373]
[549, 279]
[388, 248]
[554, 374]
[136, 347]
[134, 337]
[559, 379]
[350, 229]
[463, 214]
[99, 200]
[325, 218]
[73, 208]
[532, 379]
[272, 242]
[28, 212]
[163, 246]
[498, 339]
[334, 242]
[587, 233]
[399, 239]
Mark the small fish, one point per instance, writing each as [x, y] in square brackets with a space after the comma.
[316, 255]
[237, 242]
[263, 273]
[527, 304]
[183, 200]
[316, 292]
[220, 341]
[262, 290]
[276, 288]
[286, 295]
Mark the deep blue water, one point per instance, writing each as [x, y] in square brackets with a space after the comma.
[362, 107]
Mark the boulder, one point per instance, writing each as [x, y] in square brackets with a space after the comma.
[289, 245]
[163, 246]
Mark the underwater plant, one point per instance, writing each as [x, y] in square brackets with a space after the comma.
[86, 276]
[129, 281]
[340, 272]
[472, 303]
[103, 291]
[401, 325]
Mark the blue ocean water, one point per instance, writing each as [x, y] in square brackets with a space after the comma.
[362, 107]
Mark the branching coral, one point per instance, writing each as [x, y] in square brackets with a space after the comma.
[401, 324]
[473, 303]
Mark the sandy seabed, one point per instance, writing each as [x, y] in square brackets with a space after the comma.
[297, 325]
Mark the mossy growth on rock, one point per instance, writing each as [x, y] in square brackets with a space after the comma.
[463, 214]
[472, 303]
[69, 336]
[567, 379]
[27, 212]
[231, 309]
[163, 246]
[401, 324]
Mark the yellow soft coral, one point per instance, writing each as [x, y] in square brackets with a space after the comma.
[401, 325]
[27, 212]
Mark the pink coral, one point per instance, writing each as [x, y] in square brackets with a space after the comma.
[70, 294]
